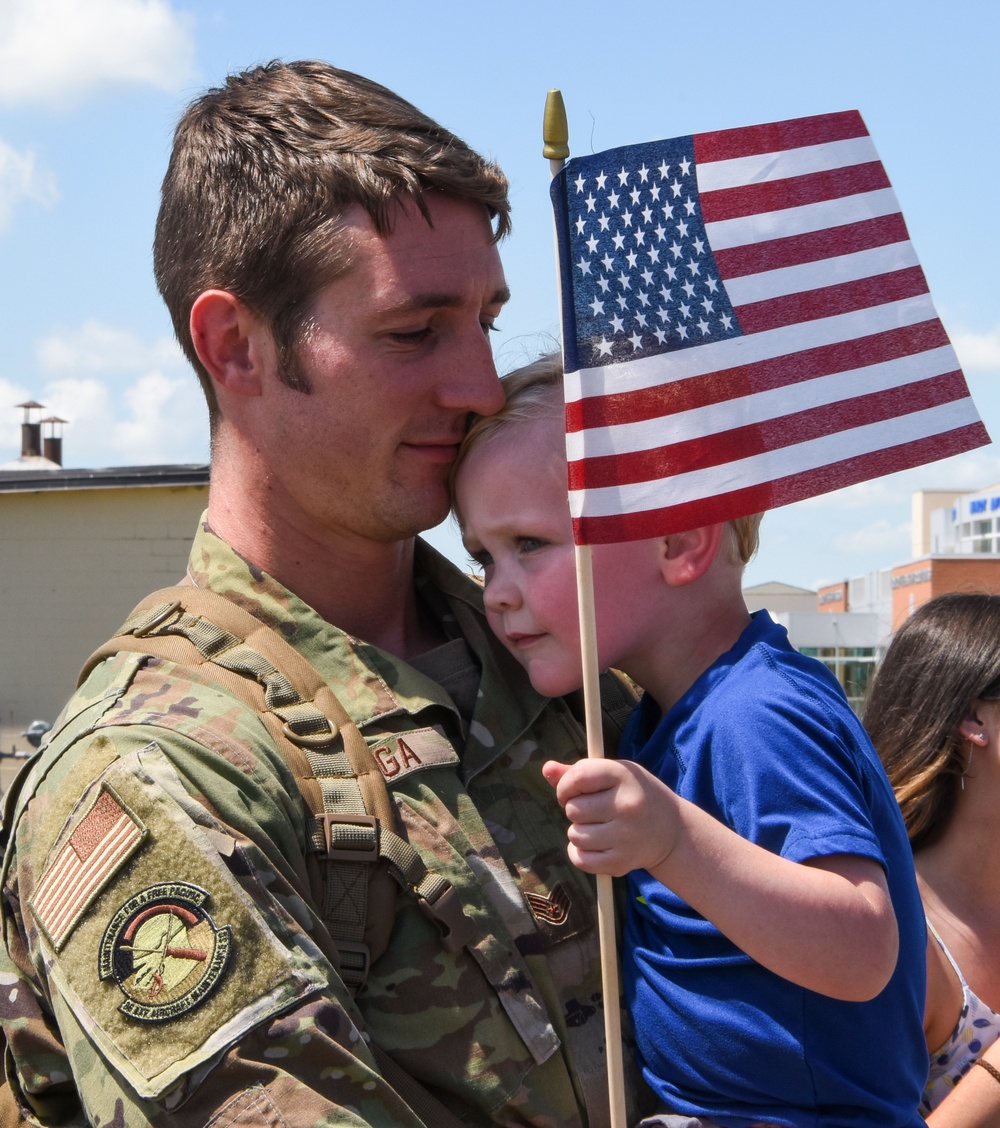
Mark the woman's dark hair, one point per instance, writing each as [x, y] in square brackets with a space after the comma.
[943, 658]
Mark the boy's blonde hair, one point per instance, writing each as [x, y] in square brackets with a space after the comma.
[534, 391]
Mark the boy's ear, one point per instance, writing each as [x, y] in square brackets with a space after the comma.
[686, 557]
[227, 339]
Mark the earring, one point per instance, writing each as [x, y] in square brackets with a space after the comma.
[972, 745]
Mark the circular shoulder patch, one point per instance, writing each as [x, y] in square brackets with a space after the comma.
[164, 951]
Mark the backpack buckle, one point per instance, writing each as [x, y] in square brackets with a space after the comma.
[350, 838]
[444, 907]
[355, 960]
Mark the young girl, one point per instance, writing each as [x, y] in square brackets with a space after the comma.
[773, 956]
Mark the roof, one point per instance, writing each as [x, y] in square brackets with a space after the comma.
[775, 587]
[114, 477]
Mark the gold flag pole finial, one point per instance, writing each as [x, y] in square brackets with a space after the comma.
[555, 129]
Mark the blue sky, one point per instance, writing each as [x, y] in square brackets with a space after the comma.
[90, 90]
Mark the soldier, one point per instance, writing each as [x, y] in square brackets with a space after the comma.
[186, 939]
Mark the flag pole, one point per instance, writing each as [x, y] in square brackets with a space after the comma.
[555, 134]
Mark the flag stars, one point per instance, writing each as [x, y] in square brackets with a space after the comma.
[640, 237]
[647, 214]
[727, 322]
[592, 244]
[664, 170]
[666, 295]
[660, 232]
[631, 258]
[654, 255]
[654, 193]
[622, 302]
[634, 195]
[624, 280]
[689, 207]
[581, 225]
[694, 266]
[682, 332]
[597, 306]
[712, 284]
[603, 220]
[685, 166]
[699, 247]
[623, 177]
[682, 229]
[636, 342]
[676, 188]
[603, 347]
[644, 174]
[688, 288]
[579, 185]
[664, 315]
[619, 240]
[668, 211]
[704, 327]
[647, 276]
[613, 198]
[591, 202]
[604, 283]
[685, 310]
[708, 305]
[627, 218]
[676, 249]
[584, 266]
[643, 298]
[661, 336]
[601, 181]
[617, 324]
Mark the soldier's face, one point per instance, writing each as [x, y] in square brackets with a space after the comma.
[397, 353]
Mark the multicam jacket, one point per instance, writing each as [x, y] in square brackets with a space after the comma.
[164, 962]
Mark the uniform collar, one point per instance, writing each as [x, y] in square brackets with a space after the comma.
[377, 685]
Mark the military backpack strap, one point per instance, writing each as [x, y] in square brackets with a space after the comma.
[353, 821]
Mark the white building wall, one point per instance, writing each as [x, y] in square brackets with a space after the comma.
[73, 564]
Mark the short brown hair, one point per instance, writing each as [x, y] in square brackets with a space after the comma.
[536, 389]
[262, 170]
[942, 659]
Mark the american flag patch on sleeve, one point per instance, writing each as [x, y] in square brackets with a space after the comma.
[103, 840]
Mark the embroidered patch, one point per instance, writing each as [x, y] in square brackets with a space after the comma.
[103, 840]
[164, 951]
[553, 909]
[401, 754]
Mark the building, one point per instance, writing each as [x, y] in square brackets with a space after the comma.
[78, 550]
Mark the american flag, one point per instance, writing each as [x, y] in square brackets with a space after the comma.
[745, 324]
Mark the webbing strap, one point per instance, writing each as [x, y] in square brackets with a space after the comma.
[353, 823]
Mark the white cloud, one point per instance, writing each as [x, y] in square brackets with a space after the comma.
[127, 402]
[57, 51]
[978, 351]
[22, 179]
[877, 538]
[155, 419]
[98, 348]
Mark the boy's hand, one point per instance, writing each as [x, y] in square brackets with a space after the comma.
[622, 817]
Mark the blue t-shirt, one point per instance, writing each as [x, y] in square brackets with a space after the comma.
[766, 742]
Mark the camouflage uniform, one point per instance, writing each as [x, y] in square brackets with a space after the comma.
[164, 961]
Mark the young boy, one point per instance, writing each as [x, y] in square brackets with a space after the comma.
[774, 940]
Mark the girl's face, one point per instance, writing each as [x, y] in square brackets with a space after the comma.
[512, 500]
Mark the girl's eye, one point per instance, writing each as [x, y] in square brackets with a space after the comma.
[531, 544]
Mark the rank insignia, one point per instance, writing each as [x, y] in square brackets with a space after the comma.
[164, 951]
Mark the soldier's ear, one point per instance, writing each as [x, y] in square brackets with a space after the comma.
[231, 343]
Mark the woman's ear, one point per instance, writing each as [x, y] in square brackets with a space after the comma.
[686, 557]
[226, 337]
[974, 724]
